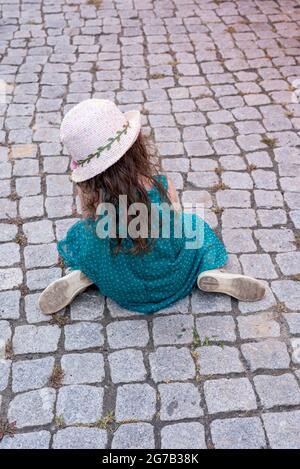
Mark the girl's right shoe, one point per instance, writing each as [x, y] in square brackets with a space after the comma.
[61, 292]
[238, 286]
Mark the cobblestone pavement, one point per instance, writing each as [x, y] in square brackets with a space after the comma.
[216, 84]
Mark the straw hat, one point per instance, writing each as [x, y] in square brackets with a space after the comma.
[97, 134]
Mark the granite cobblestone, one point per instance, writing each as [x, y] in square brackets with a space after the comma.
[215, 82]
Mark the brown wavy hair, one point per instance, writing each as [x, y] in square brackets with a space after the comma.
[127, 176]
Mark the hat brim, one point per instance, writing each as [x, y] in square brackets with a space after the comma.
[99, 165]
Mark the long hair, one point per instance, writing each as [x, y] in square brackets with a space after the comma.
[125, 177]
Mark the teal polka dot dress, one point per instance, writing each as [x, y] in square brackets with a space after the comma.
[149, 281]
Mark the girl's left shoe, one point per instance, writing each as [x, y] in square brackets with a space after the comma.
[61, 292]
[241, 287]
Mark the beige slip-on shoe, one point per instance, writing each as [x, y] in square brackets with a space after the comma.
[239, 286]
[61, 292]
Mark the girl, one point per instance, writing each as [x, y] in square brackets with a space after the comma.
[140, 272]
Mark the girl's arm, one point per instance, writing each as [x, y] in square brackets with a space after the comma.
[172, 194]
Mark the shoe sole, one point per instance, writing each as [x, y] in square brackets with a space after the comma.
[241, 287]
[61, 292]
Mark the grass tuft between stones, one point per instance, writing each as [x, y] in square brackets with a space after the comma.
[295, 277]
[107, 421]
[21, 239]
[59, 320]
[57, 376]
[220, 186]
[59, 421]
[271, 142]
[297, 241]
[7, 428]
[96, 3]
[8, 351]
[281, 308]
